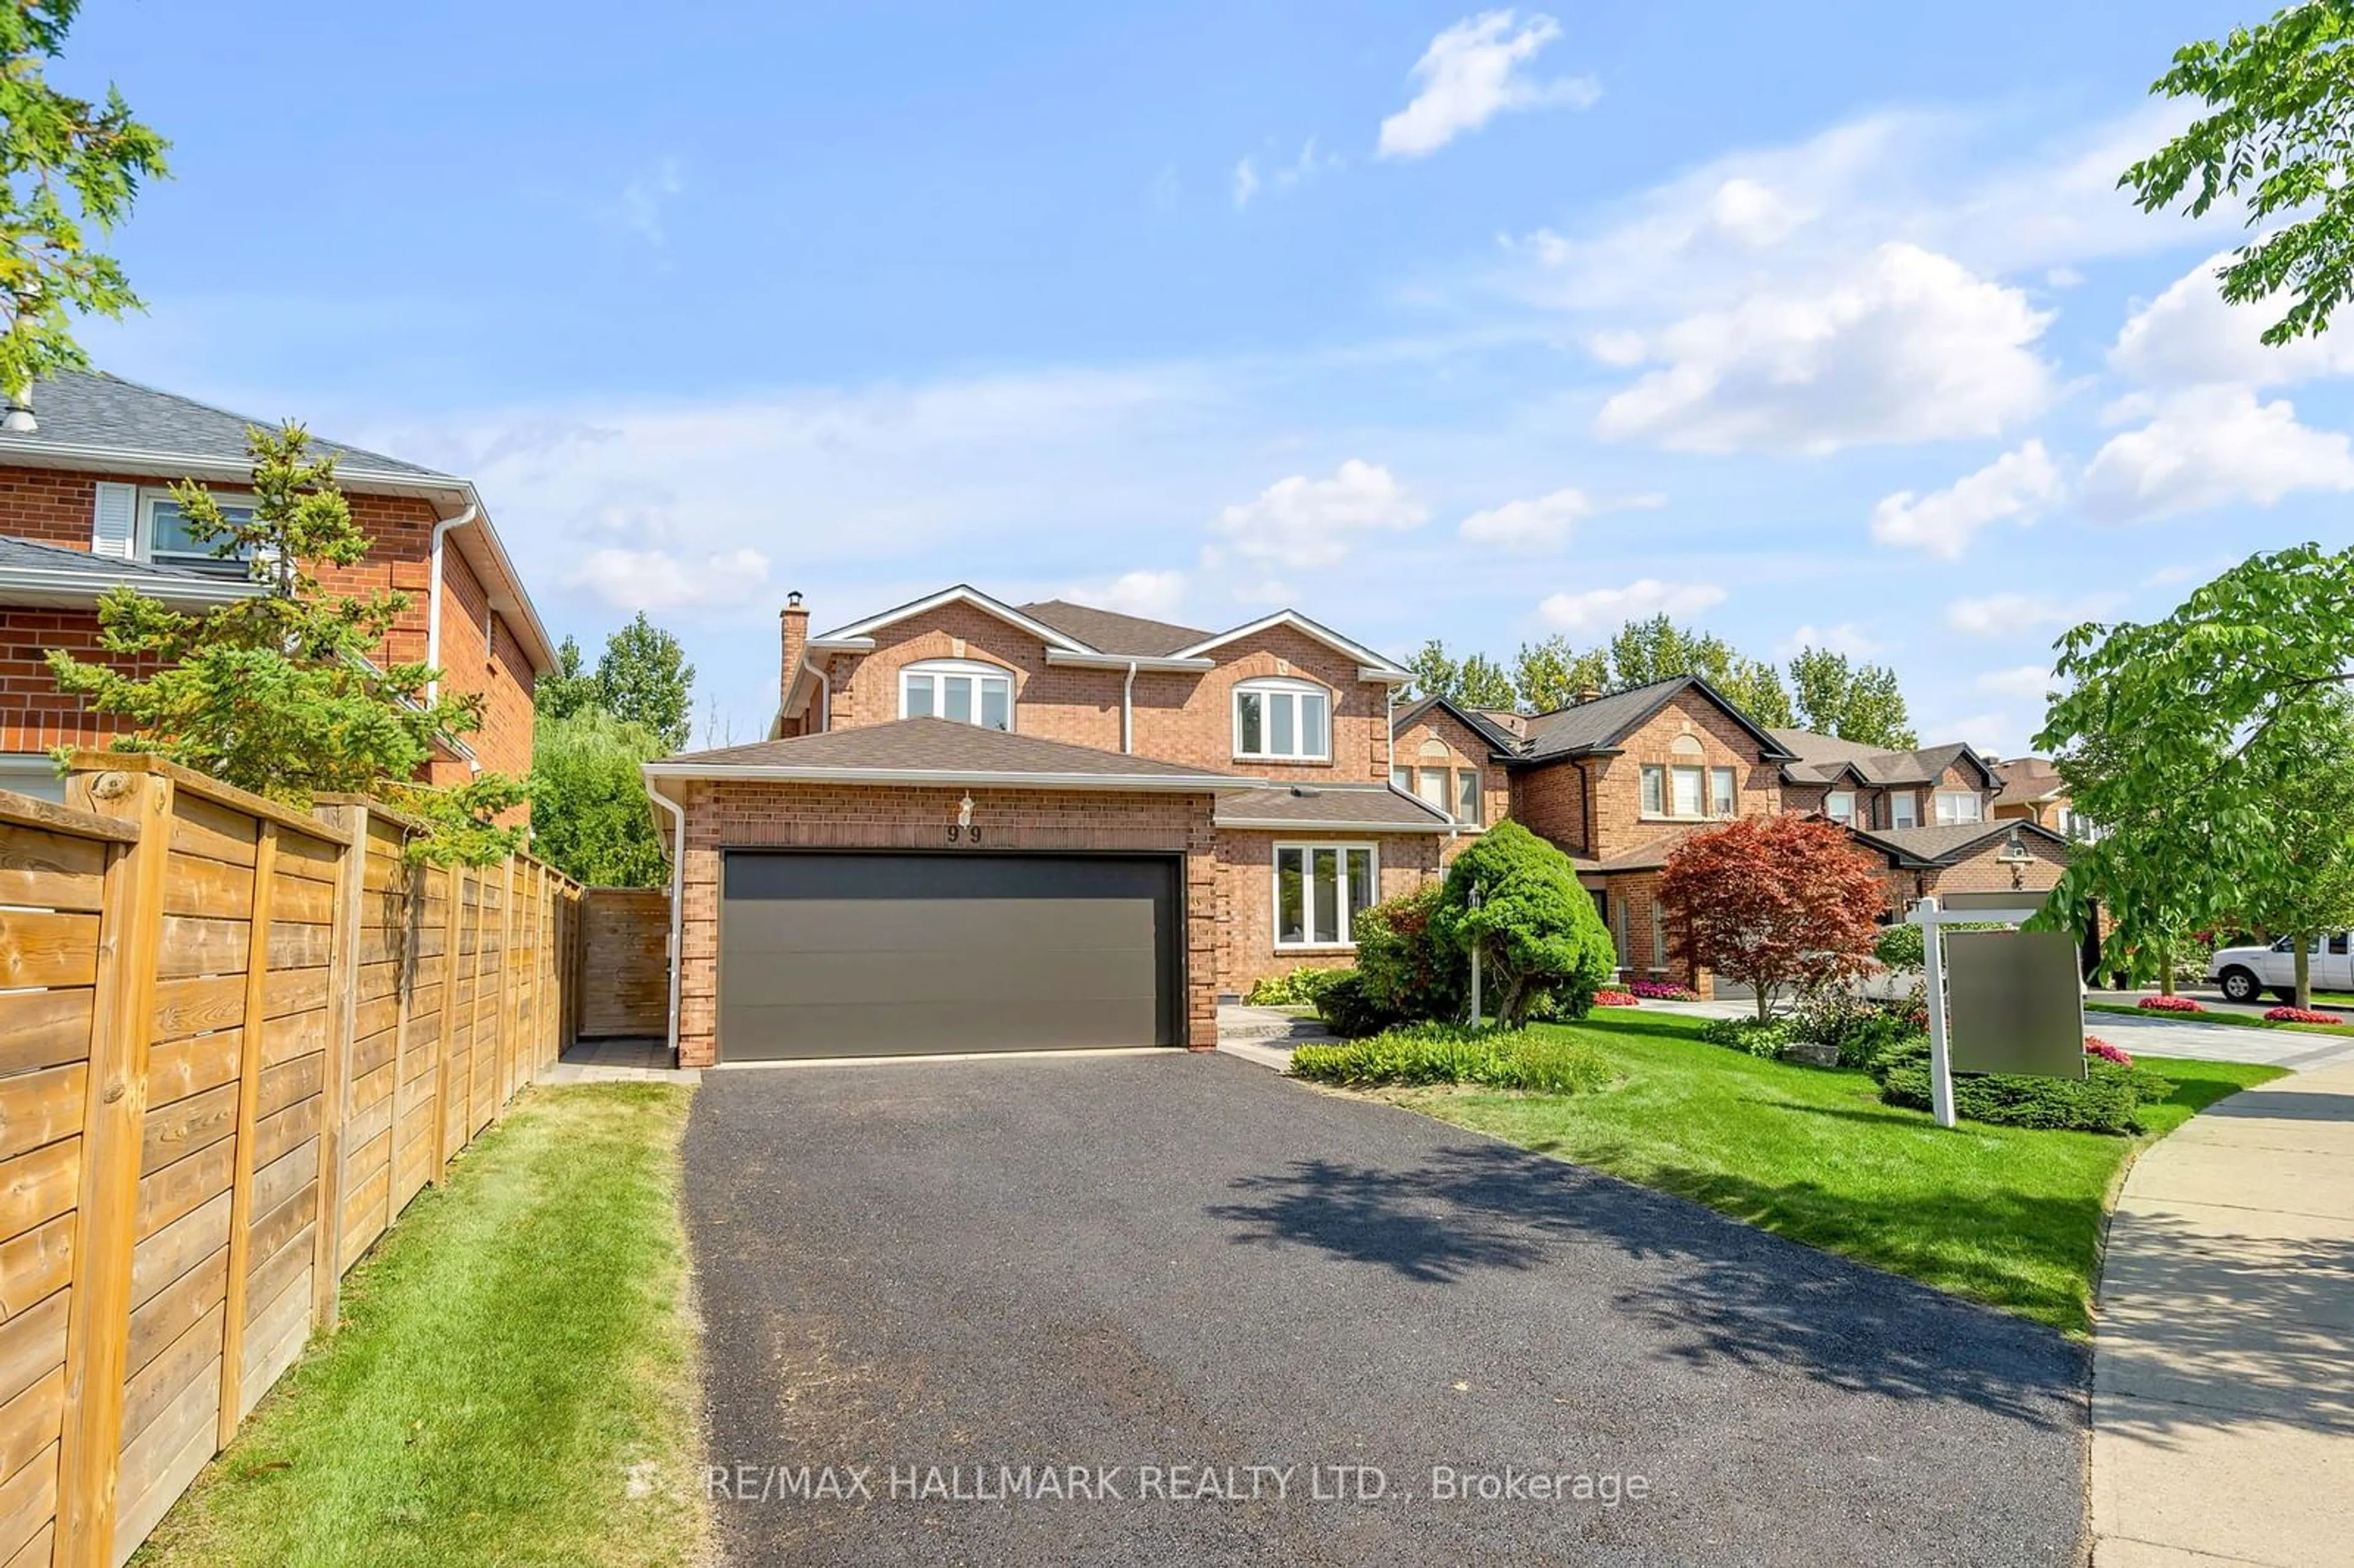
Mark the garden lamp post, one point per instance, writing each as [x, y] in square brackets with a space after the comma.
[1478, 1018]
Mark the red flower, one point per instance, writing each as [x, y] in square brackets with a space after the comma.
[2169, 1004]
[1616, 998]
[2300, 1015]
[2096, 1047]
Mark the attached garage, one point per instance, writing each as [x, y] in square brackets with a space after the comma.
[924, 888]
[825, 954]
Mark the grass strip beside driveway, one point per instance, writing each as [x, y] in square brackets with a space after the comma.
[2010, 1216]
[2219, 1015]
[515, 1380]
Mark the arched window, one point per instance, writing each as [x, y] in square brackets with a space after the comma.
[1285, 721]
[958, 689]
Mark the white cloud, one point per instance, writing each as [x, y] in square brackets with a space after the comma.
[1845, 637]
[2016, 486]
[1992, 735]
[2188, 335]
[1544, 524]
[659, 579]
[644, 199]
[1300, 522]
[2027, 681]
[1602, 609]
[1471, 73]
[1281, 176]
[1909, 346]
[2014, 614]
[2211, 446]
[1156, 595]
[1245, 182]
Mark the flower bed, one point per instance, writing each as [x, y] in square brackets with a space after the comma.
[2301, 1016]
[1661, 990]
[1616, 998]
[2096, 1047]
[2169, 1004]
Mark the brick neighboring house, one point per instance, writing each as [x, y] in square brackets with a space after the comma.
[1618, 781]
[977, 825]
[2033, 791]
[85, 505]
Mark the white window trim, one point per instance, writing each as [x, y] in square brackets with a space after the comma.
[1668, 813]
[935, 668]
[1945, 821]
[143, 526]
[1906, 796]
[1347, 944]
[1265, 684]
[1853, 806]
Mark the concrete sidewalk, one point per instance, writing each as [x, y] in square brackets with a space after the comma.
[2224, 1365]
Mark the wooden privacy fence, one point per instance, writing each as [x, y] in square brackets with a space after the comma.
[625, 943]
[235, 1041]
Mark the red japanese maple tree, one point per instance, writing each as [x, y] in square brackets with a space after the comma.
[1773, 902]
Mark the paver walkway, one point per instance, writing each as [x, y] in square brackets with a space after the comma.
[2224, 1365]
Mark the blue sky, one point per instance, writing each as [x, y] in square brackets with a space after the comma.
[1801, 322]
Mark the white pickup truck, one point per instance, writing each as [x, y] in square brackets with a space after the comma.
[2244, 972]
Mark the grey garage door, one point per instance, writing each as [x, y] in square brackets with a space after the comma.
[880, 955]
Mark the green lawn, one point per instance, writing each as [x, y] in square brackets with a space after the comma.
[2222, 1015]
[515, 1380]
[2003, 1216]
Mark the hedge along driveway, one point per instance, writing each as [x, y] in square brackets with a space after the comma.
[513, 1381]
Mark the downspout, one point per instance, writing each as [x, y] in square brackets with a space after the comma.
[1128, 710]
[677, 894]
[441, 531]
[824, 694]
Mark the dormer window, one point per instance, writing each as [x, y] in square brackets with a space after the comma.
[1283, 721]
[958, 689]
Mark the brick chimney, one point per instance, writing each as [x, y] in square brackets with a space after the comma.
[794, 622]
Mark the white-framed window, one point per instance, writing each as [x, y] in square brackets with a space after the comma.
[1685, 794]
[958, 689]
[1959, 806]
[1436, 788]
[1319, 891]
[1840, 805]
[1723, 791]
[1471, 805]
[1404, 778]
[164, 533]
[1658, 935]
[1655, 790]
[1285, 720]
[1904, 810]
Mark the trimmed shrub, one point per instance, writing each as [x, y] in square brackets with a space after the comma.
[1298, 988]
[1536, 929]
[2300, 1015]
[1616, 998]
[1348, 1009]
[2105, 1100]
[2169, 1004]
[1900, 948]
[1419, 1053]
[1407, 968]
[1748, 1034]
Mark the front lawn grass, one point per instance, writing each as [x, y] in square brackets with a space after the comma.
[513, 1382]
[2220, 1015]
[2008, 1216]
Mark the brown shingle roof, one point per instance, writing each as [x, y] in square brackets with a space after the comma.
[2028, 779]
[941, 745]
[1821, 758]
[1308, 806]
[1112, 632]
[1945, 843]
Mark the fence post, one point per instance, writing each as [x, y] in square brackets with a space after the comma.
[505, 988]
[98, 1320]
[343, 992]
[248, 1104]
[448, 1023]
[404, 990]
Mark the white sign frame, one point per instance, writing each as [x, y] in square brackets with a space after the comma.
[1930, 916]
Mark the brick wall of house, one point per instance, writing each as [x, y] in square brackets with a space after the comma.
[55, 507]
[1619, 823]
[1178, 716]
[1246, 950]
[1986, 873]
[1439, 739]
[738, 814]
[1637, 923]
[1550, 801]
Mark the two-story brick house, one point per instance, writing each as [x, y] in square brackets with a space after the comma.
[85, 505]
[978, 826]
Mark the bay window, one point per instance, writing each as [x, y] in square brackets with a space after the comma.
[1959, 806]
[1283, 721]
[956, 689]
[1319, 891]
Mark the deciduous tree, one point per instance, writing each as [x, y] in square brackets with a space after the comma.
[278, 693]
[2277, 138]
[1773, 902]
[643, 678]
[1552, 674]
[566, 690]
[591, 819]
[68, 166]
[1851, 699]
[2311, 801]
[1534, 928]
[1475, 682]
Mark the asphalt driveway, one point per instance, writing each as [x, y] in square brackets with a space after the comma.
[1136, 1278]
